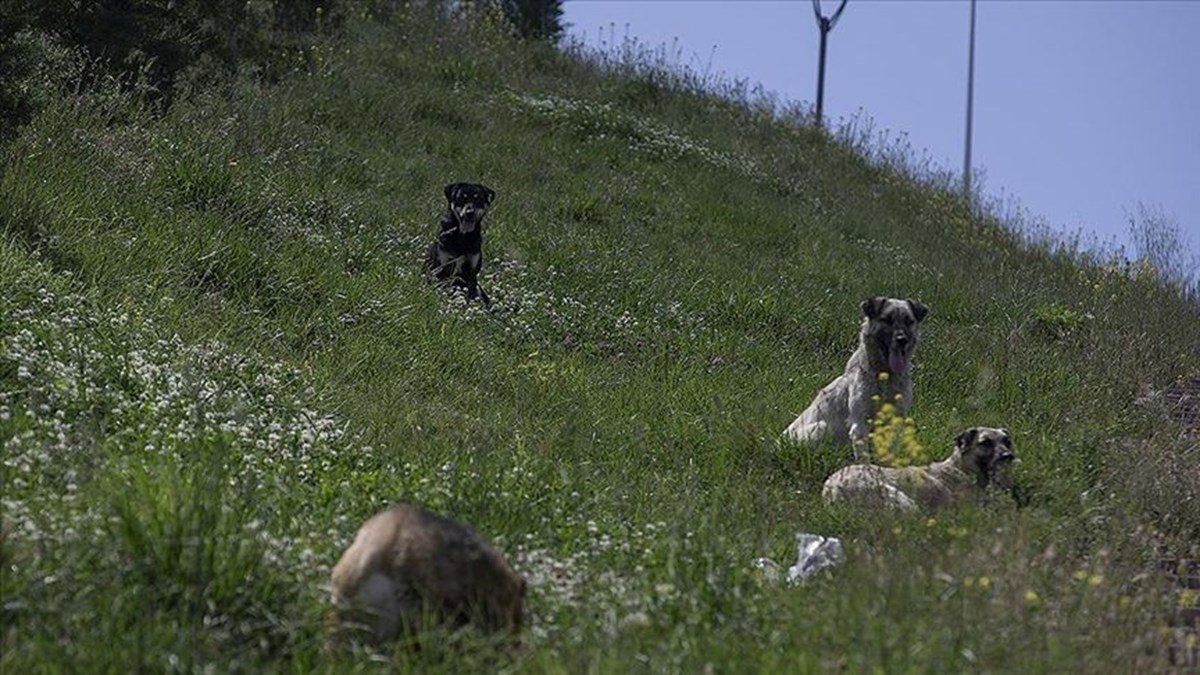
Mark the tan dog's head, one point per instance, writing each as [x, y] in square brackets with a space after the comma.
[987, 454]
[890, 331]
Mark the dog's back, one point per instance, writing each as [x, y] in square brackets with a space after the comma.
[874, 485]
[407, 565]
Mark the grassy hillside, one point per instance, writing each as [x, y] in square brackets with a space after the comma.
[217, 357]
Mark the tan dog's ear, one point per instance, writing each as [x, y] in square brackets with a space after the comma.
[871, 307]
[966, 438]
[919, 310]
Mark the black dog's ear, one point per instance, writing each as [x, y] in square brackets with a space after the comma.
[918, 310]
[871, 307]
[450, 190]
[491, 194]
[966, 438]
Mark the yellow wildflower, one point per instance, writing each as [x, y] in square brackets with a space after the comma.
[1187, 598]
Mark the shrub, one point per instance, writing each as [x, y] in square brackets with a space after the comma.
[1160, 244]
[148, 45]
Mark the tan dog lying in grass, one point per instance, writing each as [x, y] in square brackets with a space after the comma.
[982, 457]
[410, 569]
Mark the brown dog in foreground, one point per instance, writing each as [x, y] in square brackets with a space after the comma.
[410, 569]
[982, 457]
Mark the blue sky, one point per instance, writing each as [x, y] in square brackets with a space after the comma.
[1082, 109]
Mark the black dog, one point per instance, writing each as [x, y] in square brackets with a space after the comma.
[458, 252]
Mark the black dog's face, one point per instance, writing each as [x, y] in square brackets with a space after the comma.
[893, 327]
[468, 202]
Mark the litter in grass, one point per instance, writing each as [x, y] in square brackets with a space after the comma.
[814, 553]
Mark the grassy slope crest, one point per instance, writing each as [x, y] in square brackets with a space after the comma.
[217, 357]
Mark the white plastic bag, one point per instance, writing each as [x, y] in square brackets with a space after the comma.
[814, 553]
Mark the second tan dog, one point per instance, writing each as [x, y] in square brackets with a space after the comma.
[982, 457]
[410, 569]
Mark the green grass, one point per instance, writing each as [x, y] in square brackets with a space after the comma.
[218, 358]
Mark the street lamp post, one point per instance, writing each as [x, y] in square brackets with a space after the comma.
[970, 108]
[824, 24]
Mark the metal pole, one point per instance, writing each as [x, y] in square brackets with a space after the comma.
[824, 24]
[970, 109]
[821, 76]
